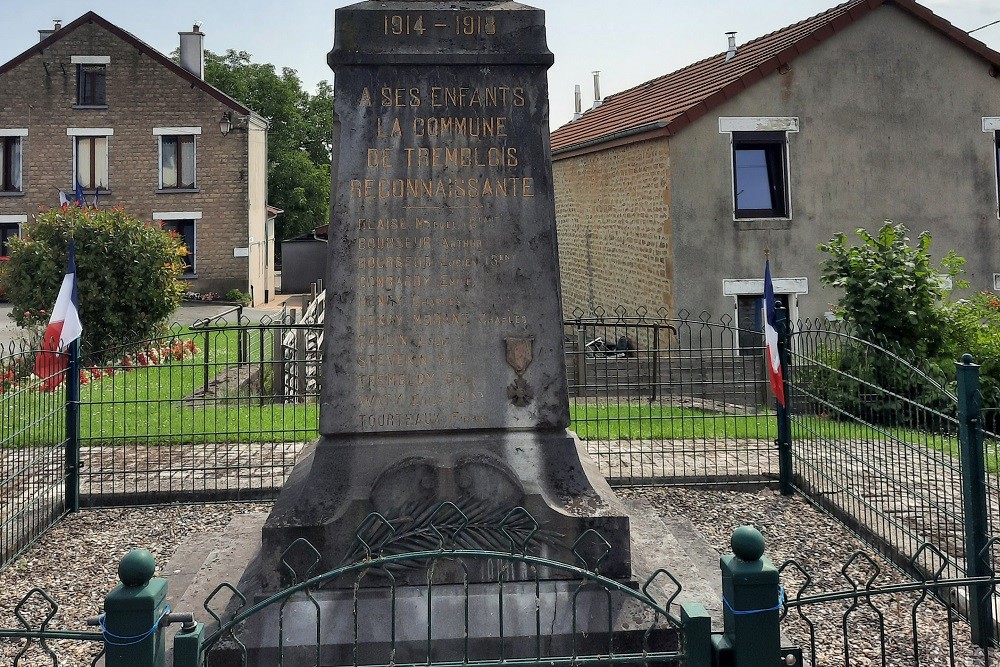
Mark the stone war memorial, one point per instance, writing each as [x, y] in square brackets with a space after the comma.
[444, 377]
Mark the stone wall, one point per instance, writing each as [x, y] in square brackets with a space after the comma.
[613, 220]
[39, 95]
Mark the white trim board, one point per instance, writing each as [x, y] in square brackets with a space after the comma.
[90, 132]
[177, 215]
[991, 124]
[90, 60]
[743, 286]
[170, 131]
[14, 132]
[16, 217]
[728, 124]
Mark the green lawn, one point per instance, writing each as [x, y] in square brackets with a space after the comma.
[147, 404]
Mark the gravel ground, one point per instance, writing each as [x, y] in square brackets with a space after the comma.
[794, 529]
[76, 564]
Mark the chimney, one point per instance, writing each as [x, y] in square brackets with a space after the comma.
[731, 53]
[193, 51]
[56, 25]
[577, 104]
[597, 90]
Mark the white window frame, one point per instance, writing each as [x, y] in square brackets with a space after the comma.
[733, 124]
[16, 219]
[737, 287]
[159, 133]
[166, 216]
[992, 126]
[21, 133]
[106, 132]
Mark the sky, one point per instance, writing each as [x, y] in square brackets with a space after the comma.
[628, 41]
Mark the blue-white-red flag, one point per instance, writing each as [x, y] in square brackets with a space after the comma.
[81, 201]
[771, 336]
[64, 327]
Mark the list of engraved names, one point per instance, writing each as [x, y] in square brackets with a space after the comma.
[432, 192]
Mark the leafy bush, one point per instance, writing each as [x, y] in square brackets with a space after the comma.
[973, 326]
[127, 273]
[237, 296]
[891, 291]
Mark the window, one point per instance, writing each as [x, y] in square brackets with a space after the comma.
[760, 175]
[91, 157]
[185, 230]
[991, 125]
[178, 150]
[10, 160]
[760, 168]
[183, 224]
[750, 321]
[8, 230]
[90, 85]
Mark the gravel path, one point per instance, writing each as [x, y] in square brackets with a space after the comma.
[76, 562]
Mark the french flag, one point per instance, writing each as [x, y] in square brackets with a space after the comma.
[64, 327]
[771, 336]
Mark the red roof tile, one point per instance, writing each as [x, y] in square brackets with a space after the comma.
[662, 106]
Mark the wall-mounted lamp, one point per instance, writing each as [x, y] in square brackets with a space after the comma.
[227, 123]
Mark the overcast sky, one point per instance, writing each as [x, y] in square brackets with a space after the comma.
[629, 41]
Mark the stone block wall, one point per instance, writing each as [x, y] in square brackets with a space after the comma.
[613, 221]
[142, 93]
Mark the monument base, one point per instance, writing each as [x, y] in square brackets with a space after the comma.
[478, 622]
[405, 478]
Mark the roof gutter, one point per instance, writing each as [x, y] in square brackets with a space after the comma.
[628, 136]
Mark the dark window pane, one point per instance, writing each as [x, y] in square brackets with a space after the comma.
[90, 88]
[184, 229]
[8, 230]
[759, 174]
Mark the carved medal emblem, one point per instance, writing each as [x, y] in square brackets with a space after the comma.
[519, 357]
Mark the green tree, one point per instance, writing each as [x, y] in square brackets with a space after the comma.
[891, 290]
[127, 274]
[299, 138]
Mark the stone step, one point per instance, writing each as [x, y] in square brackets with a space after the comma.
[675, 545]
[206, 560]
[203, 562]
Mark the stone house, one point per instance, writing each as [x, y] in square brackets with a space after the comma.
[668, 194]
[92, 104]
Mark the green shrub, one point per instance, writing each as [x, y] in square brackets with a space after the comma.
[973, 326]
[891, 291]
[127, 274]
[238, 296]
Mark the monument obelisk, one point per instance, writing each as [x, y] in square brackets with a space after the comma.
[444, 375]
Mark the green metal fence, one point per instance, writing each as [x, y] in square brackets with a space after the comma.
[670, 400]
[216, 412]
[37, 485]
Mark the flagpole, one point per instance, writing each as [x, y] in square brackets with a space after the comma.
[72, 496]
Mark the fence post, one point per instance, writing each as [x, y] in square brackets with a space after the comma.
[697, 635]
[751, 605]
[208, 353]
[784, 441]
[133, 611]
[970, 438]
[73, 428]
[581, 360]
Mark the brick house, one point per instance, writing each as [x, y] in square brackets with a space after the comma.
[667, 194]
[91, 103]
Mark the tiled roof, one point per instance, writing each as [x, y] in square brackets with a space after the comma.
[663, 106]
[91, 17]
